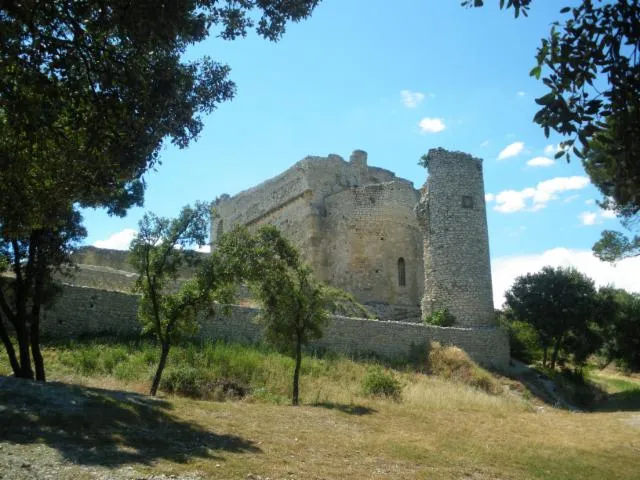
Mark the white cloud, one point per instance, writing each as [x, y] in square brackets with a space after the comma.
[540, 162]
[489, 197]
[588, 218]
[411, 99]
[431, 125]
[485, 144]
[571, 198]
[511, 150]
[536, 198]
[521, 93]
[117, 241]
[591, 218]
[203, 249]
[623, 274]
[591, 201]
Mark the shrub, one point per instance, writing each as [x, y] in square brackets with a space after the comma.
[452, 363]
[440, 318]
[87, 360]
[112, 357]
[379, 383]
[523, 339]
[183, 380]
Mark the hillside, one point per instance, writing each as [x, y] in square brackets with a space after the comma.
[104, 427]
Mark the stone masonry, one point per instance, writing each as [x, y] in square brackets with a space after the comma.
[353, 223]
[89, 312]
[453, 215]
[362, 229]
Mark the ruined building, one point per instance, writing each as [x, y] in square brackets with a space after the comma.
[363, 229]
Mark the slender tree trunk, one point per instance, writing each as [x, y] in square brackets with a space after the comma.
[556, 349]
[38, 361]
[22, 332]
[296, 372]
[544, 356]
[23, 348]
[11, 353]
[163, 361]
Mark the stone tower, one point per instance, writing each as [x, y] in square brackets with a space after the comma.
[453, 216]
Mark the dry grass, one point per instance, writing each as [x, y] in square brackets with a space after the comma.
[440, 429]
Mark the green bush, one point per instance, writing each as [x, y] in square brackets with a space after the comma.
[112, 357]
[379, 383]
[523, 339]
[183, 380]
[87, 360]
[440, 318]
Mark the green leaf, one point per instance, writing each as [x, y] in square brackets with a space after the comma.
[536, 72]
[546, 99]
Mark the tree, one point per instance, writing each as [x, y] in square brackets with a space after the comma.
[295, 307]
[168, 308]
[33, 260]
[89, 92]
[592, 65]
[622, 326]
[559, 304]
[602, 163]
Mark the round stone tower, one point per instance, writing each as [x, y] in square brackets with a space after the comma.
[453, 216]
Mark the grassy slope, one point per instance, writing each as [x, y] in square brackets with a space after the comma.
[439, 430]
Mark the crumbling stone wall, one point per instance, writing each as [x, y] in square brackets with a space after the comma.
[453, 215]
[82, 312]
[352, 223]
[373, 230]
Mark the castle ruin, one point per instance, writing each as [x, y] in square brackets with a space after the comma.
[363, 229]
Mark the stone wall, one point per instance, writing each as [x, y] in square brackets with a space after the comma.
[453, 215]
[373, 229]
[82, 312]
[352, 223]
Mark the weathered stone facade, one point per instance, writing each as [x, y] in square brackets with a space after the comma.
[453, 215]
[362, 229]
[354, 224]
[87, 312]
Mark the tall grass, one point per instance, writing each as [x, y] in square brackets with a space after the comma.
[219, 370]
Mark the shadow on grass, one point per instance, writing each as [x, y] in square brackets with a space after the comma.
[91, 426]
[349, 409]
[628, 401]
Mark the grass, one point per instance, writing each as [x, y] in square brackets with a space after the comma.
[623, 391]
[438, 429]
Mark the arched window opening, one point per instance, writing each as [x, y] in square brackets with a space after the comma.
[402, 279]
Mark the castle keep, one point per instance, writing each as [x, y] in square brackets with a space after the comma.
[361, 228]
[365, 230]
[353, 223]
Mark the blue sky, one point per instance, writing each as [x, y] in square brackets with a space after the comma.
[395, 79]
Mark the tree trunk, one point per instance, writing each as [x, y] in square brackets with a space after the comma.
[38, 361]
[544, 356]
[163, 361]
[556, 349]
[11, 353]
[21, 286]
[296, 372]
[23, 348]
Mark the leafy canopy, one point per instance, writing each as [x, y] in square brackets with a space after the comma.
[590, 64]
[559, 303]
